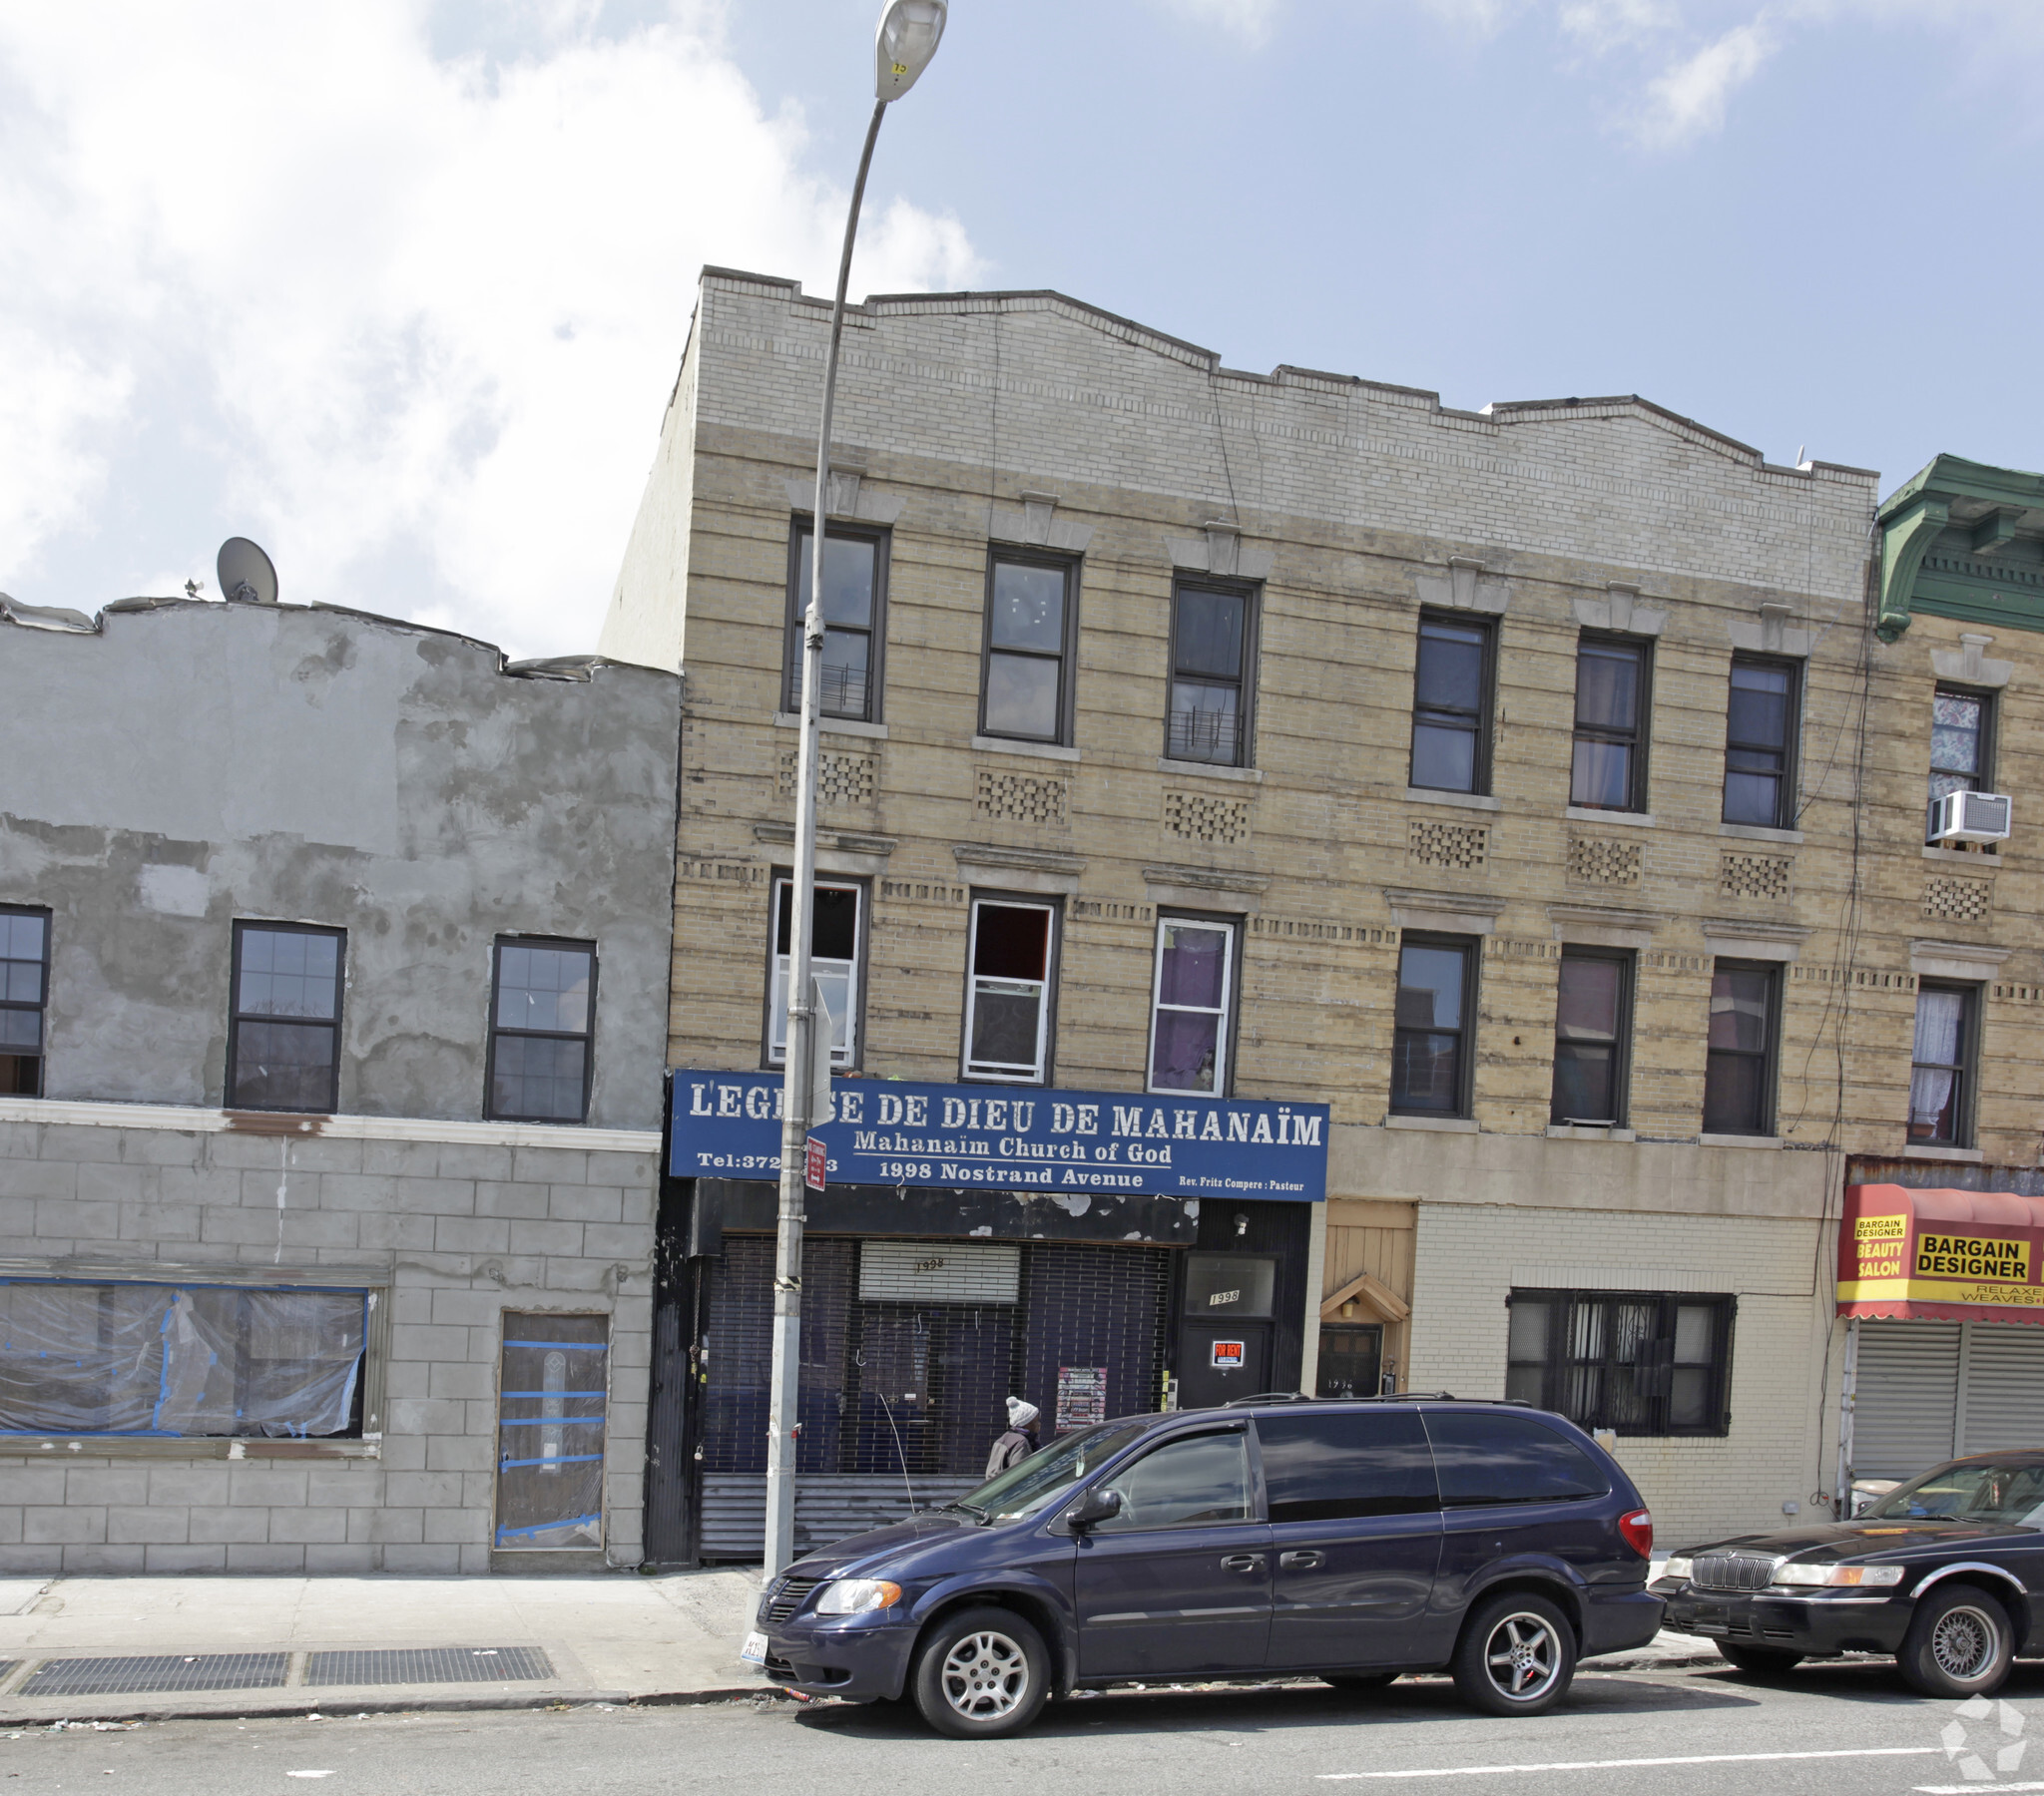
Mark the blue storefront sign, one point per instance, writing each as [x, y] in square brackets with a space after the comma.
[885, 1131]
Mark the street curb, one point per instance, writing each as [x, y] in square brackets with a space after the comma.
[346, 1707]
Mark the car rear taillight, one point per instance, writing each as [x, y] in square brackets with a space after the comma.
[1638, 1529]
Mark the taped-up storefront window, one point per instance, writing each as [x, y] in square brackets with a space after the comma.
[79, 1358]
[550, 1431]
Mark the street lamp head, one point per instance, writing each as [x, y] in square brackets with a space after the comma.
[902, 47]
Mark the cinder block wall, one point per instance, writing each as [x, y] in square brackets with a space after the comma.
[458, 1232]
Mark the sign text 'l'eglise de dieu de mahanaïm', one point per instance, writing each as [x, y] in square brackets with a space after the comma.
[888, 1131]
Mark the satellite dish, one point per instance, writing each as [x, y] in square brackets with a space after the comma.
[245, 572]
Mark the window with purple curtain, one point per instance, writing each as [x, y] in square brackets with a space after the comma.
[1937, 1074]
[1188, 1015]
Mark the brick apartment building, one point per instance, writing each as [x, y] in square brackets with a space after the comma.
[1528, 786]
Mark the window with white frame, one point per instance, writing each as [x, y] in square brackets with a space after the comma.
[1011, 957]
[837, 940]
[1189, 1014]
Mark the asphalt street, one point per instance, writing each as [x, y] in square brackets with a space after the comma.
[1837, 1728]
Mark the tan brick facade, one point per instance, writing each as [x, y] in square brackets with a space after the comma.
[1028, 419]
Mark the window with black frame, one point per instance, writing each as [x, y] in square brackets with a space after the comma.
[855, 619]
[283, 1035]
[1592, 1021]
[1212, 631]
[1451, 705]
[1027, 685]
[1432, 1028]
[541, 1021]
[1739, 1065]
[1940, 1070]
[24, 994]
[1759, 742]
[1609, 768]
[1635, 1362]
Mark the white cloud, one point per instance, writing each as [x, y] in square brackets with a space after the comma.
[410, 320]
[1604, 24]
[1251, 21]
[1689, 100]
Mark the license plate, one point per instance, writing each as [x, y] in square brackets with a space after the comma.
[753, 1651]
[1713, 1619]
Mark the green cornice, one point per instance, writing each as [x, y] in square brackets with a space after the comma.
[1968, 576]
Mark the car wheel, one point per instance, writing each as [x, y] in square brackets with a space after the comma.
[1516, 1657]
[1959, 1643]
[1360, 1681]
[981, 1673]
[1760, 1662]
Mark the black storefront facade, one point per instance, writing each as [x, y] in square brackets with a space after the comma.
[925, 1305]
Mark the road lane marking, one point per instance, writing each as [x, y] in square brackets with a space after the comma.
[1629, 1764]
[1969, 1789]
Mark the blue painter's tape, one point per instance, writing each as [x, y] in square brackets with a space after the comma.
[566, 1459]
[553, 1393]
[521, 1534]
[565, 1346]
[553, 1422]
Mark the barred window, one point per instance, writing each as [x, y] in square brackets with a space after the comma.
[1635, 1362]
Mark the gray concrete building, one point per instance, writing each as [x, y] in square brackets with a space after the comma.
[334, 987]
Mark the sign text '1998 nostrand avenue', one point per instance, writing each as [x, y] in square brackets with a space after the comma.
[893, 1133]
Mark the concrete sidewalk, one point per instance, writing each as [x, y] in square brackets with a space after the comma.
[615, 1639]
[619, 1639]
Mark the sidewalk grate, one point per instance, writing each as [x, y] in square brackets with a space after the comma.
[431, 1664]
[172, 1671]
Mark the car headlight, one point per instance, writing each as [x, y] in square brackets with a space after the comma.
[855, 1596]
[1835, 1575]
[1677, 1566]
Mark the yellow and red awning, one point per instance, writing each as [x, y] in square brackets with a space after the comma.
[1947, 1256]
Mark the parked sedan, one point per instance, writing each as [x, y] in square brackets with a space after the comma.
[1938, 1572]
[1352, 1540]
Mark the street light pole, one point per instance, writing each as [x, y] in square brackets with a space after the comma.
[906, 40]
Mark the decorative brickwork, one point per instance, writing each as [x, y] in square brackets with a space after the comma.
[1508, 948]
[730, 872]
[1958, 900]
[1677, 963]
[1603, 861]
[2018, 994]
[1101, 911]
[841, 779]
[921, 891]
[1020, 798]
[1866, 978]
[1463, 846]
[1307, 930]
[1199, 819]
[1762, 876]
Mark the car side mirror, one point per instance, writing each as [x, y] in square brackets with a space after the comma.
[1094, 1506]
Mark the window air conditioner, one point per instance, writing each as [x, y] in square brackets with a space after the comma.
[1969, 817]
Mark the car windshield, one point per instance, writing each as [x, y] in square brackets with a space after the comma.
[1967, 1494]
[1044, 1477]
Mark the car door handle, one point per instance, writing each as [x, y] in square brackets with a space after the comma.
[1242, 1562]
[1301, 1561]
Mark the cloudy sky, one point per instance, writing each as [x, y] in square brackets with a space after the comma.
[398, 288]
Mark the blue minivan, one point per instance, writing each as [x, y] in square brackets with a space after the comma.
[1275, 1538]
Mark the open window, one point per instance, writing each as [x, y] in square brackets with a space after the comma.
[837, 955]
[1008, 990]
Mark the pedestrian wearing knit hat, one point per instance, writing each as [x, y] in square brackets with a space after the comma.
[1018, 1443]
